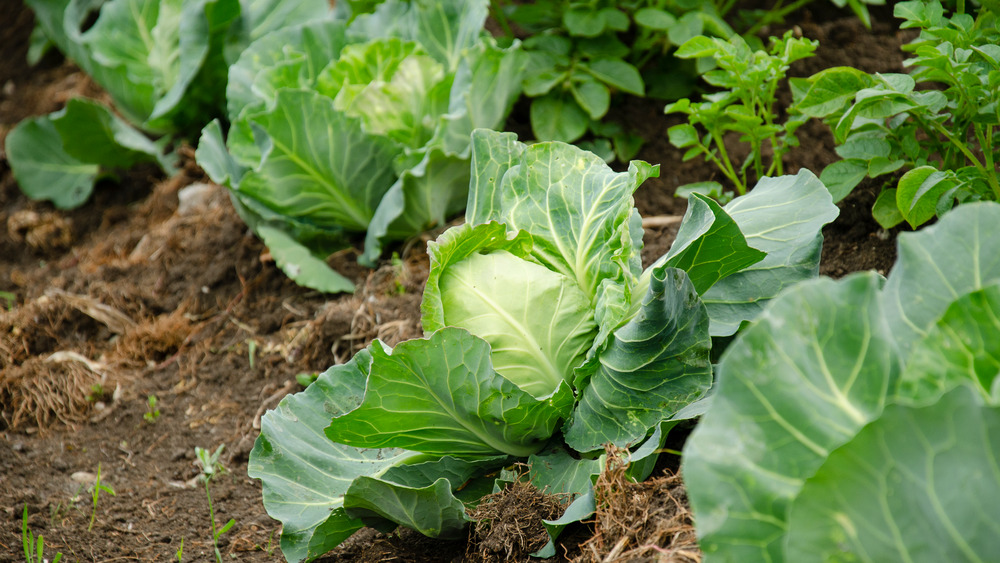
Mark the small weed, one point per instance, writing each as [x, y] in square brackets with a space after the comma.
[33, 552]
[152, 410]
[269, 548]
[96, 393]
[305, 378]
[252, 351]
[10, 298]
[210, 467]
[96, 493]
[400, 274]
[180, 551]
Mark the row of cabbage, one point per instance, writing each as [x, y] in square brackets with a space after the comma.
[855, 418]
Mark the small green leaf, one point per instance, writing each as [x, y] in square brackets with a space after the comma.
[688, 26]
[885, 211]
[654, 18]
[710, 189]
[842, 176]
[618, 74]
[592, 96]
[615, 19]
[542, 81]
[709, 245]
[919, 191]
[699, 46]
[831, 90]
[583, 22]
[557, 117]
[683, 135]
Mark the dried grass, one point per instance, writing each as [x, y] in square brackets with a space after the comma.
[509, 523]
[648, 521]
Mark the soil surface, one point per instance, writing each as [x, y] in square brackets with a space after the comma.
[156, 288]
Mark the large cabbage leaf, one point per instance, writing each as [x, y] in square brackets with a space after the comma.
[833, 417]
[362, 127]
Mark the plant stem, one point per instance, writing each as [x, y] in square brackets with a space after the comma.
[724, 163]
[211, 517]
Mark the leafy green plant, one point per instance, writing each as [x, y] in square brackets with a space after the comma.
[33, 551]
[939, 121]
[545, 339]
[390, 100]
[582, 53]
[164, 65]
[180, 551]
[95, 494]
[859, 419]
[210, 467]
[152, 409]
[748, 81]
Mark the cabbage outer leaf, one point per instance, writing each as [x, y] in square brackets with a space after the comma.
[304, 475]
[782, 217]
[441, 395]
[656, 364]
[816, 366]
[824, 360]
[918, 484]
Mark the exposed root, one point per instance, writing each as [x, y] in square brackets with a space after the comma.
[40, 393]
[647, 521]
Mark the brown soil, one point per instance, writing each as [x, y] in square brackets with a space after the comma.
[134, 295]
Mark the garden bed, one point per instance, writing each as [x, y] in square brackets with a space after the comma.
[155, 287]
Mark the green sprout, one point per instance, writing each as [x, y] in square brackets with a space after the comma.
[33, 552]
[96, 493]
[152, 411]
[210, 467]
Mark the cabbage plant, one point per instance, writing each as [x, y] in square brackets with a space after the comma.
[362, 127]
[164, 65]
[859, 419]
[545, 340]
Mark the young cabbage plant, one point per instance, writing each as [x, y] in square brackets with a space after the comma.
[545, 340]
[938, 122]
[364, 127]
[164, 65]
[858, 420]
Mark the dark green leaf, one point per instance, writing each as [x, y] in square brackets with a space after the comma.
[842, 176]
[618, 74]
[654, 18]
[919, 191]
[885, 211]
[592, 96]
[656, 364]
[557, 117]
[583, 22]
